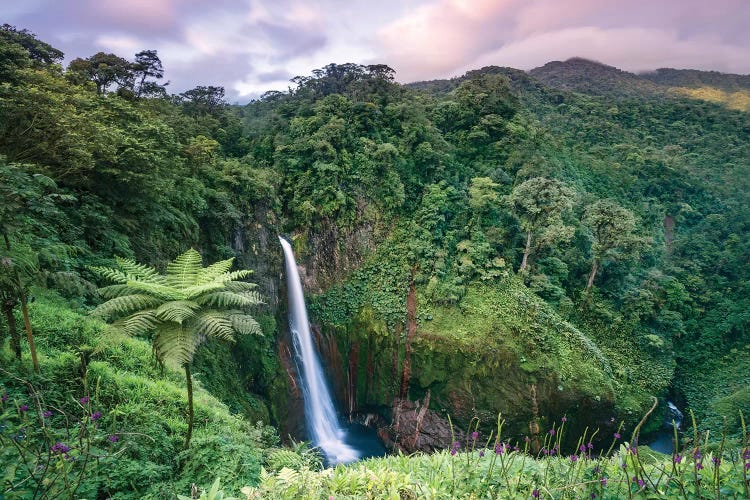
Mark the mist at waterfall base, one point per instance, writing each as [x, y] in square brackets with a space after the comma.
[339, 443]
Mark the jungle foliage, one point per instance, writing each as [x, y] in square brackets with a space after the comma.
[611, 208]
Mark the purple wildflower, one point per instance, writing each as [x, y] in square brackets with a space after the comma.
[544, 450]
[617, 435]
[481, 453]
[574, 458]
[499, 449]
[590, 446]
[746, 454]
[113, 438]
[474, 436]
[457, 445]
[552, 432]
[84, 400]
[634, 450]
[564, 419]
[96, 416]
[23, 408]
[677, 459]
[716, 460]
[535, 493]
[4, 397]
[60, 448]
[46, 414]
[453, 451]
[515, 448]
[640, 483]
[604, 481]
[697, 455]
[699, 466]
[582, 448]
[747, 466]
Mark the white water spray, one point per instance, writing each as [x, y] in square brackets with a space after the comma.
[320, 415]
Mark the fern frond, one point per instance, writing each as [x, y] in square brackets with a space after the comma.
[161, 291]
[140, 271]
[140, 323]
[193, 292]
[183, 272]
[209, 273]
[215, 324]
[176, 310]
[126, 304]
[110, 274]
[245, 324]
[112, 291]
[174, 343]
[233, 276]
[240, 286]
[230, 300]
[110, 337]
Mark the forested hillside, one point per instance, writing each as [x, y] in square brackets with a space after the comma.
[568, 242]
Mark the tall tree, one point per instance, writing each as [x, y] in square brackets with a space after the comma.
[104, 70]
[203, 100]
[182, 308]
[148, 65]
[540, 205]
[39, 52]
[613, 229]
[27, 218]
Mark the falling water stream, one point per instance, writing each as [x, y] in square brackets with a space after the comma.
[320, 414]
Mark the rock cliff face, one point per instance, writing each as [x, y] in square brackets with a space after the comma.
[502, 351]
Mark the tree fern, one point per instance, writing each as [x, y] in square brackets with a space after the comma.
[227, 299]
[208, 274]
[184, 270]
[177, 311]
[161, 291]
[139, 271]
[125, 305]
[181, 309]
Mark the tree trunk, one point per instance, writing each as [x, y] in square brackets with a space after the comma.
[15, 339]
[29, 334]
[592, 275]
[25, 310]
[526, 252]
[191, 415]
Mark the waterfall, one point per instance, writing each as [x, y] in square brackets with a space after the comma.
[320, 415]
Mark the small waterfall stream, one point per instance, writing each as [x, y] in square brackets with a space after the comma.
[320, 414]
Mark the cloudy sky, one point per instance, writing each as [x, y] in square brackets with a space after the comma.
[250, 46]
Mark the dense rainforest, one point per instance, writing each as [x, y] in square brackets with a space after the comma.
[559, 245]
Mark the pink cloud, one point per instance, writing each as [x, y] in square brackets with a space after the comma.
[437, 37]
[631, 49]
[445, 37]
[152, 14]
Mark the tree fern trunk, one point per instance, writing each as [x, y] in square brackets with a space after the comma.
[15, 339]
[29, 334]
[191, 415]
